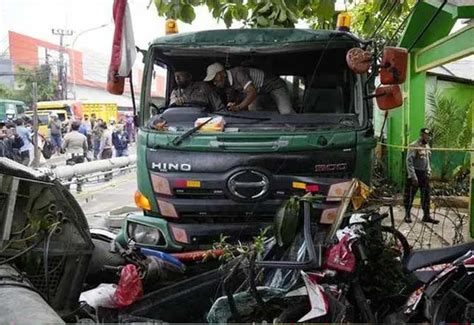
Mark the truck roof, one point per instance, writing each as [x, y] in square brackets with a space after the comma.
[2, 100]
[250, 38]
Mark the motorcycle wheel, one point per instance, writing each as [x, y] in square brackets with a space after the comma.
[397, 241]
[457, 304]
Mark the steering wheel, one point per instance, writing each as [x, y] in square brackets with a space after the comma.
[192, 104]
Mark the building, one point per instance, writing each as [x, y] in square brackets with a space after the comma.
[86, 72]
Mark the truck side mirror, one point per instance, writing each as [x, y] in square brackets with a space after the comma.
[394, 66]
[388, 97]
[358, 60]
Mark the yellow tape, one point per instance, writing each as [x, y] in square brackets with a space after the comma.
[422, 148]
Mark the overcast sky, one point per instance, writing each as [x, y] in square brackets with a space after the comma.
[36, 18]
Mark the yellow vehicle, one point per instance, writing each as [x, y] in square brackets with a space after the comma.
[105, 111]
[43, 120]
[72, 108]
[77, 109]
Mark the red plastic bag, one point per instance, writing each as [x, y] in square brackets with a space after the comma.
[129, 288]
[340, 257]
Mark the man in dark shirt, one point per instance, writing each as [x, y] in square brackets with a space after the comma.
[252, 83]
[10, 142]
[189, 92]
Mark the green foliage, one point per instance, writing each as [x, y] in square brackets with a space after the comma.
[320, 14]
[46, 88]
[368, 15]
[253, 13]
[451, 125]
[231, 251]
[382, 276]
[6, 92]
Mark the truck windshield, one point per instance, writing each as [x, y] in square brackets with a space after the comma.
[316, 87]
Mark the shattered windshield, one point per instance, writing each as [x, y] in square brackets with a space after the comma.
[297, 90]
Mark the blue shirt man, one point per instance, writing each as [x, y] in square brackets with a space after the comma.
[25, 135]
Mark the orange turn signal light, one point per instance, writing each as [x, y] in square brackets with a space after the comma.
[141, 201]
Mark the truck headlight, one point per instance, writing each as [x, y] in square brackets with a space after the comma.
[142, 234]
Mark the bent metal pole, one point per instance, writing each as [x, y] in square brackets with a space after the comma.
[86, 168]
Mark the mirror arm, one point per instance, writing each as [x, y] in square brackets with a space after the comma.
[374, 95]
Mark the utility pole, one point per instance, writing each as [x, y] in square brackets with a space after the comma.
[36, 159]
[62, 76]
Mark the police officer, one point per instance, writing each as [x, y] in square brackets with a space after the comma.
[418, 166]
[75, 145]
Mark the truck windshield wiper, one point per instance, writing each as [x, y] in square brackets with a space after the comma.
[242, 117]
[177, 141]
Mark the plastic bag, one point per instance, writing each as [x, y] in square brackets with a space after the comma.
[102, 296]
[340, 257]
[129, 288]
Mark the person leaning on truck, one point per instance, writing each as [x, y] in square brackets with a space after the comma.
[188, 92]
[252, 83]
[418, 164]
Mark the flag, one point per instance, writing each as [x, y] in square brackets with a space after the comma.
[123, 48]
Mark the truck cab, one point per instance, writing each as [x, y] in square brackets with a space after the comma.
[232, 180]
[11, 109]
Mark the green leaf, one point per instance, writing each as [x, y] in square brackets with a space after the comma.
[243, 11]
[326, 9]
[228, 18]
[187, 14]
[283, 16]
[265, 8]
[262, 21]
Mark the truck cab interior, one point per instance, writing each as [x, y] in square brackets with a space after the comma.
[320, 84]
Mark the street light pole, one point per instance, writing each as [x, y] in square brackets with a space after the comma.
[73, 70]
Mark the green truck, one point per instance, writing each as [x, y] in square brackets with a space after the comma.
[11, 109]
[194, 186]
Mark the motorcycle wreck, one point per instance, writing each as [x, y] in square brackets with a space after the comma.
[359, 269]
[329, 257]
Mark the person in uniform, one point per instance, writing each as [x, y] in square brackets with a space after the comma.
[75, 147]
[418, 166]
[254, 84]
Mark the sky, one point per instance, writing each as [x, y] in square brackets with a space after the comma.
[36, 18]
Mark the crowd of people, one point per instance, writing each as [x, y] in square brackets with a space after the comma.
[80, 140]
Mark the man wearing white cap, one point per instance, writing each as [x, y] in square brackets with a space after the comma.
[252, 83]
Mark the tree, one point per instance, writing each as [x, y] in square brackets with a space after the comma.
[320, 14]
[253, 13]
[25, 76]
[369, 14]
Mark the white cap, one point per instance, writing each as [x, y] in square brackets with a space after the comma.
[212, 70]
[53, 115]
